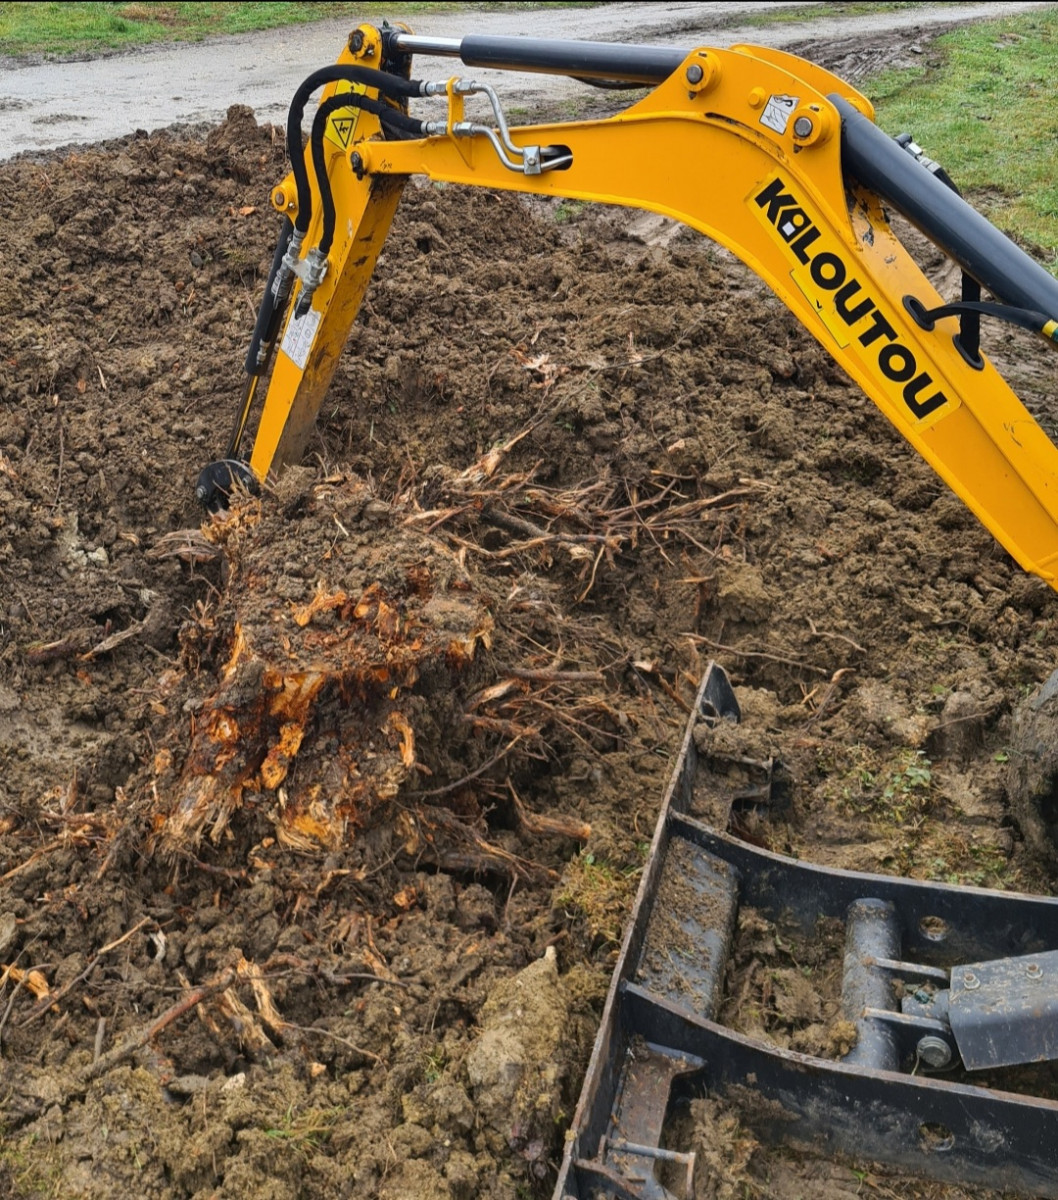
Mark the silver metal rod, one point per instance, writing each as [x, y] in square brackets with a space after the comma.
[588, 60]
[411, 43]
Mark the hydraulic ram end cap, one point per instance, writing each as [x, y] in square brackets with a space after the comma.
[218, 480]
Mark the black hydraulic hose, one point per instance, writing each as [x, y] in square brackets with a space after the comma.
[880, 164]
[392, 119]
[968, 339]
[390, 85]
[1023, 318]
[265, 329]
[270, 313]
[273, 305]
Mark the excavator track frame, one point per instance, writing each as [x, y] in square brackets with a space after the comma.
[660, 1042]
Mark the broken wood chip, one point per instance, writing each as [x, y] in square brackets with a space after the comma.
[73, 644]
[32, 980]
[115, 640]
[497, 691]
[323, 601]
[541, 824]
[399, 722]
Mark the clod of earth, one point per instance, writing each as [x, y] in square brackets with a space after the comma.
[1032, 769]
[519, 1060]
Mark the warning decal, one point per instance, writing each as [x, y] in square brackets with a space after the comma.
[778, 111]
[342, 124]
[343, 129]
[299, 336]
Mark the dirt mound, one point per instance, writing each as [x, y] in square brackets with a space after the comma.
[289, 806]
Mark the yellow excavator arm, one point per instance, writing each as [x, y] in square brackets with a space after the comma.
[775, 158]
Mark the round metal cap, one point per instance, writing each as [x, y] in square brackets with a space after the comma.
[934, 1051]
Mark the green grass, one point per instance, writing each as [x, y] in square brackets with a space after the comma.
[79, 28]
[987, 114]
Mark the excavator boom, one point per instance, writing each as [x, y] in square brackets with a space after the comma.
[769, 155]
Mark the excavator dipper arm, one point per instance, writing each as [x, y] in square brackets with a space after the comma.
[775, 158]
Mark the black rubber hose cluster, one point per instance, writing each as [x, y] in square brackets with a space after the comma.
[390, 85]
[270, 312]
[392, 120]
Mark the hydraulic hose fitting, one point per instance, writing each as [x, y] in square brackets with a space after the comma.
[311, 271]
[279, 293]
[906, 142]
[524, 160]
[293, 254]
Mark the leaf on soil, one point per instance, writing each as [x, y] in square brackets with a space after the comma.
[545, 372]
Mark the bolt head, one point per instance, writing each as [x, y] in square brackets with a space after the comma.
[1034, 971]
[803, 127]
[279, 198]
[695, 73]
[970, 981]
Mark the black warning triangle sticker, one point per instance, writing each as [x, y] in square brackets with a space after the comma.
[343, 127]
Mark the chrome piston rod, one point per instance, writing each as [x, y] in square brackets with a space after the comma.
[587, 60]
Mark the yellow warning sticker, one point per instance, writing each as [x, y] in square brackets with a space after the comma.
[342, 124]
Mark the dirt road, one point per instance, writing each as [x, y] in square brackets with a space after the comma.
[44, 106]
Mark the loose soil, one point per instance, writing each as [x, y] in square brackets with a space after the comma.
[318, 824]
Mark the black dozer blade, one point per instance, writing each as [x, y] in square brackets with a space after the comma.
[935, 977]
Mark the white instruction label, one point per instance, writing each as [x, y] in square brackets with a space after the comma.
[778, 111]
[299, 336]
